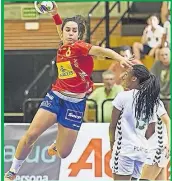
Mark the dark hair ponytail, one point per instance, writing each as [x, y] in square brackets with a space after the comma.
[148, 95]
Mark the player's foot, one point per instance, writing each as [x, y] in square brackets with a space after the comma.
[52, 150]
[10, 175]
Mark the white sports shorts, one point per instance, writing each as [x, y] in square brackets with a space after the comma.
[158, 156]
[123, 165]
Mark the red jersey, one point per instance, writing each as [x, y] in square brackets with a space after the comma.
[74, 68]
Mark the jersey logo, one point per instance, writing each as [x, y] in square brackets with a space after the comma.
[65, 70]
[141, 124]
[74, 116]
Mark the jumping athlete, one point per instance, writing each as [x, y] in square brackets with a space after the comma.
[65, 103]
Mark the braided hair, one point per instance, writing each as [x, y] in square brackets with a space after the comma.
[148, 95]
[81, 22]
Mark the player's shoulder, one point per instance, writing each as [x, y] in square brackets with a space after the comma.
[160, 28]
[127, 92]
[79, 41]
[166, 23]
[160, 105]
[127, 95]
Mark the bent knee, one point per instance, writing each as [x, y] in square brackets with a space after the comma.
[137, 45]
[64, 154]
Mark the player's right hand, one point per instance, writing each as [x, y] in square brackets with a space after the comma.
[54, 11]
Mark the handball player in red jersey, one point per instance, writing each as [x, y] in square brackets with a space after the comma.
[65, 103]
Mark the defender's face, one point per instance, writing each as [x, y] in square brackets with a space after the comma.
[127, 79]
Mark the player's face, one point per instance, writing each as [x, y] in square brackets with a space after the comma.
[154, 21]
[70, 32]
[127, 79]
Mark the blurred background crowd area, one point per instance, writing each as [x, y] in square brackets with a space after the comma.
[31, 43]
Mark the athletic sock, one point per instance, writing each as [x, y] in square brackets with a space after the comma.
[16, 165]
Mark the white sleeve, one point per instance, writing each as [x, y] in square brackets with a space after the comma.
[166, 26]
[158, 113]
[163, 30]
[154, 118]
[161, 109]
[118, 101]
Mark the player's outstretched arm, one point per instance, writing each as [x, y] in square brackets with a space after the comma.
[57, 19]
[106, 52]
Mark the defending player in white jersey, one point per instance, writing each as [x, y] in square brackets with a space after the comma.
[134, 111]
[159, 142]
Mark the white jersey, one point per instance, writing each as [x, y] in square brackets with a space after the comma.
[154, 39]
[130, 133]
[159, 138]
[158, 141]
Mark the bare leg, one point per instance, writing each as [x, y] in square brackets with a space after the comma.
[152, 52]
[41, 122]
[150, 172]
[65, 141]
[137, 48]
[121, 177]
[162, 175]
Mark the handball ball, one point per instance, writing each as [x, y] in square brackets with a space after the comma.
[44, 6]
